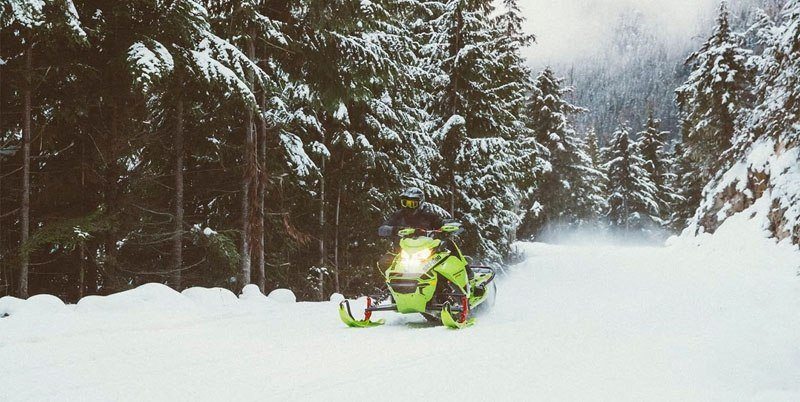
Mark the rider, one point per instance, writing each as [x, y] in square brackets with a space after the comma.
[415, 213]
[418, 214]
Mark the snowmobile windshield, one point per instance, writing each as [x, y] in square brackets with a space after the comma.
[415, 244]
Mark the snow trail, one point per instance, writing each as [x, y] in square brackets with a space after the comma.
[687, 322]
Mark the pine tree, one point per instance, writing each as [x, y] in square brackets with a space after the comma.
[352, 125]
[475, 96]
[715, 95]
[512, 77]
[631, 193]
[777, 89]
[189, 53]
[597, 181]
[593, 148]
[460, 38]
[567, 194]
[253, 26]
[688, 187]
[657, 163]
[379, 144]
[36, 28]
[515, 80]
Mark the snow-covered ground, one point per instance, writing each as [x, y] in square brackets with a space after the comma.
[703, 319]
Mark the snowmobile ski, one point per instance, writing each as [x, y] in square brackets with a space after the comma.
[462, 320]
[347, 317]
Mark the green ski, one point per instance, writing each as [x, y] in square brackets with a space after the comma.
[450, 322]
[347, 318]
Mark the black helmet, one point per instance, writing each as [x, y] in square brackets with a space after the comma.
[412, 198]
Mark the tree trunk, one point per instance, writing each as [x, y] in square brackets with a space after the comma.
[456, 106]
[322, 232]
[625, 212]
[82, 268]
[452, 194]
[454, 53]
[177, 239]
[2, 265]
[336, 237]
[82, 246]
[26, 175]
[245, 250]
[111, 278]
[261, 277]
[247, 179]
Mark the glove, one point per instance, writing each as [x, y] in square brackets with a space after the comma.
[386, 231]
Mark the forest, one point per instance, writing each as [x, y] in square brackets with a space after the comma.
[220, 143]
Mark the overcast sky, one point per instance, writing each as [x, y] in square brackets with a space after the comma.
[567, 29]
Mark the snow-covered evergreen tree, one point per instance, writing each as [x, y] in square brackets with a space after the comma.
[251, 26]
[593, 147]
[480, 83]
[599, 180]
[568, 193]
[688, 187]
[658, 164]
[715, 95]
[631, 193]
[777, 88]
[37, 29]
[380, 144]
[181, 52]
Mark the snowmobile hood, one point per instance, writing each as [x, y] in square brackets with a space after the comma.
[413, 245]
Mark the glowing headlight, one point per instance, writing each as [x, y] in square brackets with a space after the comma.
[414, 262]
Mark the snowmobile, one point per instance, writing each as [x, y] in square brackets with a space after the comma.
[429, 276]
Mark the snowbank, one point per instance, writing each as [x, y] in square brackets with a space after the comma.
[743, 233]
[150, 306]
[282, 296]
[35, 305]
[149, 298]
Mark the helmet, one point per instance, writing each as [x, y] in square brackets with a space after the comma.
[412, 198]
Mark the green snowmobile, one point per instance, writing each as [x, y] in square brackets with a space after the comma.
[429, 276]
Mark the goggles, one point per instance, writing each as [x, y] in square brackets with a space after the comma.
[409, 203]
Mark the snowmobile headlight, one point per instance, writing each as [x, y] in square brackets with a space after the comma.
[415, 262]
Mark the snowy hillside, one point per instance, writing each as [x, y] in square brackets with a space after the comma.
[764, 184]
[710, 318]
[764, 177]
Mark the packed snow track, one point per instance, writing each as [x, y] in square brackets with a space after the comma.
[611, 323]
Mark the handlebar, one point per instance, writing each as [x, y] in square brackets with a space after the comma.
[450, 228]
[453, 228]
[406, 232]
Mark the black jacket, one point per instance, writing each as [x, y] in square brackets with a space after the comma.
[427, 216]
